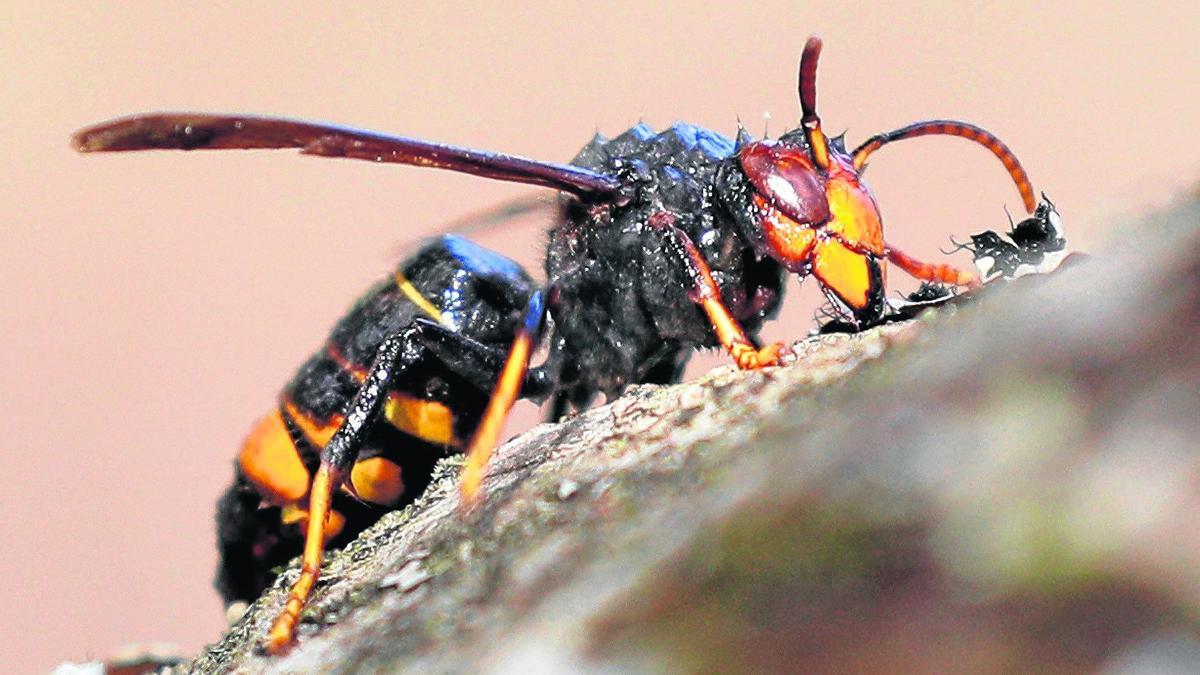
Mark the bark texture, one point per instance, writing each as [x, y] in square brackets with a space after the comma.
[1008, 485]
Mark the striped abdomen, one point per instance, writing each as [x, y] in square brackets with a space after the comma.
[430, 410]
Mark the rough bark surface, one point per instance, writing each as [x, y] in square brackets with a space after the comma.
[1008, 485]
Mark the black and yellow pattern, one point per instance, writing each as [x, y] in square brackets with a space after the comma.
[473, 295]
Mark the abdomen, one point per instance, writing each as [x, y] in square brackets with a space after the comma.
[428, 414]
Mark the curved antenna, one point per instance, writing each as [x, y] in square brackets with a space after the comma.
[962, 130]
[808, 102]
[200, 131]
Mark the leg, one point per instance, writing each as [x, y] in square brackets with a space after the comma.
[706, 294]
[473, 360]
[945, 274]
[478, 362]
[508, 388]
[668, 370]
[558, 406]
[395, 355]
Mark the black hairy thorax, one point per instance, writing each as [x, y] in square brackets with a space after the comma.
[621, 307]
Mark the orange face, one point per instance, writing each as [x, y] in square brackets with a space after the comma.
[820, 221]
[809, 209]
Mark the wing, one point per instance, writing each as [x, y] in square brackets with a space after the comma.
[197, 131]
[531, 206]
[521, 215]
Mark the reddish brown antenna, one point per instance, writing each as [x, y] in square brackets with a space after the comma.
[953, 128]
[808, 102]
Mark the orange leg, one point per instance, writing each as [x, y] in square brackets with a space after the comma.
[284, 629]
[508, 388]
[337, 456]
[707, 294]
[734, 339]
[946, 274]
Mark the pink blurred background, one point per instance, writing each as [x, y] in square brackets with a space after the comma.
[154, 303]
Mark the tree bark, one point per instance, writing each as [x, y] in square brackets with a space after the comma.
[1007, 485]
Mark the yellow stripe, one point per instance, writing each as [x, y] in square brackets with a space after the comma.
[419, 300]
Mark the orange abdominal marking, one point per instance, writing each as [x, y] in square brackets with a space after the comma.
[271, 463]
[316, 431]
[297, 515]
[377, 480]
[432, 421]
[428, 420]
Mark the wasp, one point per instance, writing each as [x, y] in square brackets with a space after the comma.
[442, 324]
[665, 242]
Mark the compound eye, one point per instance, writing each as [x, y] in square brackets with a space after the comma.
[785, 176]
